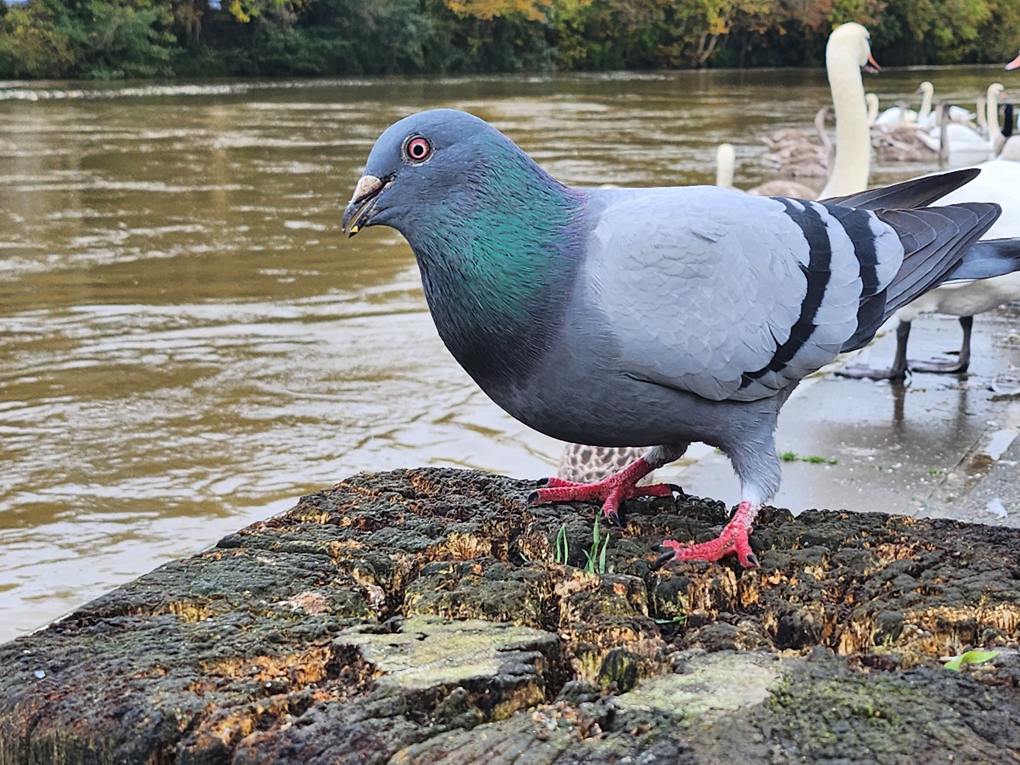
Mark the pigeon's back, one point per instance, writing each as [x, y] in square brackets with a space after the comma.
[728, 296]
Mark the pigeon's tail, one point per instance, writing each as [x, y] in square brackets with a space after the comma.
[935, 241]
[992, 257]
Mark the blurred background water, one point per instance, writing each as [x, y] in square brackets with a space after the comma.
[187, 341]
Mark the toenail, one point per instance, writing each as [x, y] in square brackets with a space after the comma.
[663, 559]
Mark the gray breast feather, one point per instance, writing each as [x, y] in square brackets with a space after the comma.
[701, 287]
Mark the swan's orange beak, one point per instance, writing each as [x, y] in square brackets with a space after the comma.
[872, 65]
[1014, 64]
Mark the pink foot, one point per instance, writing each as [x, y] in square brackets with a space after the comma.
[611, 491]
[733, 539]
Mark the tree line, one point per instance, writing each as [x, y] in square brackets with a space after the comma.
[167, 38]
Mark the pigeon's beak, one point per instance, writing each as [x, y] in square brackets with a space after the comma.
[1015, 63]
[363, 204]
[872, 66]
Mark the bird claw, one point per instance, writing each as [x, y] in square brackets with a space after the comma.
[733, 539]
[611, 492]
[614, 518]
[663, 559]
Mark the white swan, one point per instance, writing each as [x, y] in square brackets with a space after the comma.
[925, 116]
[849, 45]
[999, 182]
[900, 115]
[725, 164]
[967, 145]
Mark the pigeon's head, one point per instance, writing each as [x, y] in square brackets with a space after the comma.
[853, 41]
[430, 156]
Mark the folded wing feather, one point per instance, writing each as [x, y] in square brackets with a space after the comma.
[733, 297]
[724, 295]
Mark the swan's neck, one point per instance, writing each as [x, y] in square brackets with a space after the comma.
[852, 167]
[724, 164]
[944, 134]
[820, 129]
[922, 115]
[905, 115]
[992, 118]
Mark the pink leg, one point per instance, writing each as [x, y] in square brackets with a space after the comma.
[733, 539]
[611, 491]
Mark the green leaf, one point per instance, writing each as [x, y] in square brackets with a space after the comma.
[970, 657]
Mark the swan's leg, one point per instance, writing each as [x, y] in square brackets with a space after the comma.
[949, 367]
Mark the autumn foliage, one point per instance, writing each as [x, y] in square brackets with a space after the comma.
[531, 10]
[143, 38]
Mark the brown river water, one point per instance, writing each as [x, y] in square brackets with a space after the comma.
[188, 342]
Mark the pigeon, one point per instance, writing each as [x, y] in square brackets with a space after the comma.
[654, 317]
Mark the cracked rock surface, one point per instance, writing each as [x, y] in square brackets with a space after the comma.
[431, 616]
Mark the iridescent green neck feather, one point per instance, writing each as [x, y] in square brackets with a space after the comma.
[498, 260]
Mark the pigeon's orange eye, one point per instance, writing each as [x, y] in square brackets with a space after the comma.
[418, 149]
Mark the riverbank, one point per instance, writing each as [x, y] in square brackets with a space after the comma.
[104, 40]
[400, 616]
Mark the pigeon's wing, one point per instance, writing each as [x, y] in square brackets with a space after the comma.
[730, 296]
[908, 195]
